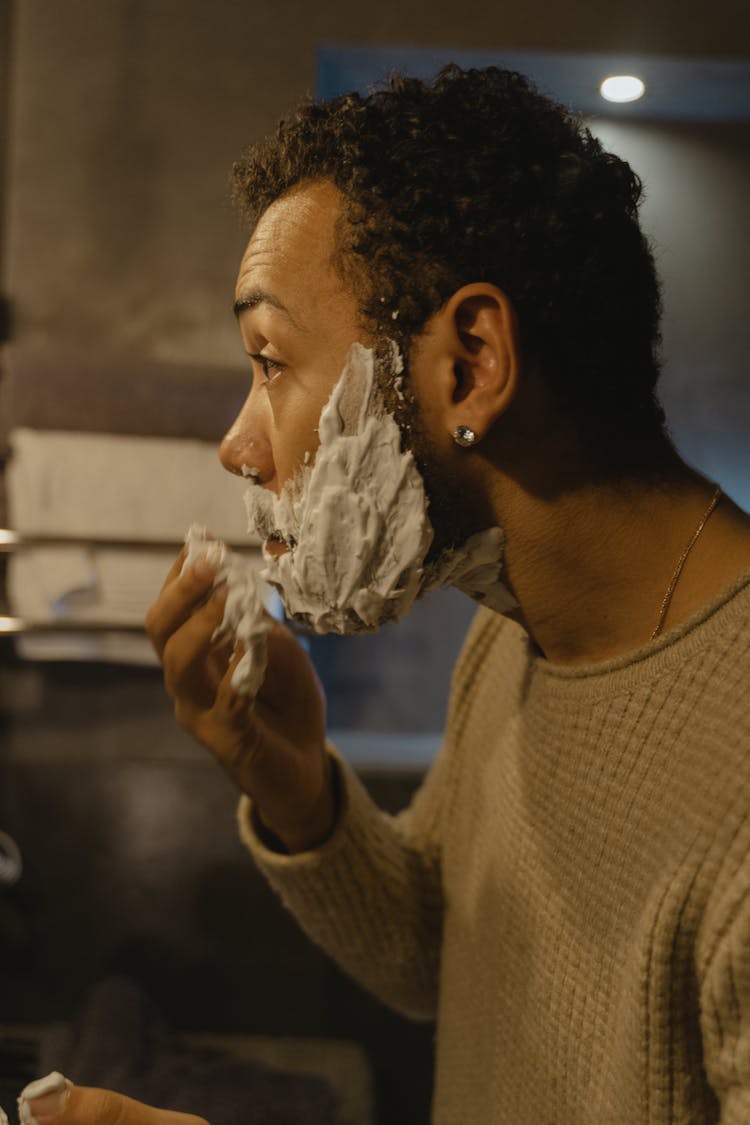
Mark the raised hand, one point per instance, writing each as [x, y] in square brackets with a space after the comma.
[272, 746]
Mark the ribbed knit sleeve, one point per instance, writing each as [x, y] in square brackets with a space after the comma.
[367, 896]
[371, 896]
[724, 969]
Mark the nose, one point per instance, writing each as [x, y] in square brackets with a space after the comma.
[245, 446]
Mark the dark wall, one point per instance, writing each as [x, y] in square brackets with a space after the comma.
[132, 866]
[127, 116]
[6, 32]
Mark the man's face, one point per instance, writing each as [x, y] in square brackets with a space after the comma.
[348, 537]
[298, 322]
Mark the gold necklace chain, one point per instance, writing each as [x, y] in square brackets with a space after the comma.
[683, 559]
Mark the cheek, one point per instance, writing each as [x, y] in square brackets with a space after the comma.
[295, 414]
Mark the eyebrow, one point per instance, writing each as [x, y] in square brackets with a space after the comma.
[254, 297]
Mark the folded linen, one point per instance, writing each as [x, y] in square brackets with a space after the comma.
[82, 489]
[103, 486]
[88, 589]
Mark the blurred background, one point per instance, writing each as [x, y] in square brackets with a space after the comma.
[120, 368]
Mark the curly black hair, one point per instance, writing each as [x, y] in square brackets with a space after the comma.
[477, 176]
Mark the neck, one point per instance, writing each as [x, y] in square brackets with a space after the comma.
[590, 568]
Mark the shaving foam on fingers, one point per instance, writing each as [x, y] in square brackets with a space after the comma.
[245, 618]
[45, 1096]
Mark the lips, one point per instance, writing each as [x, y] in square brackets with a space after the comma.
[276, 545]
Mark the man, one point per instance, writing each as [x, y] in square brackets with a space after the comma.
[568, 893]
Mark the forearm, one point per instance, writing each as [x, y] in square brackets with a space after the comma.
[370, 895]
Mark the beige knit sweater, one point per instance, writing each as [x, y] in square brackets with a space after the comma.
[570, 890]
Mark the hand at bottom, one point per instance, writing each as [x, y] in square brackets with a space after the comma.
[88, 1105]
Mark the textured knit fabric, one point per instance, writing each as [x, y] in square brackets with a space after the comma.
[569, 892]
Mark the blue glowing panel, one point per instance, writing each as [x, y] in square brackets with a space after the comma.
[676, 88]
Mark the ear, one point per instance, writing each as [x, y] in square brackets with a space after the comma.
[472, 349]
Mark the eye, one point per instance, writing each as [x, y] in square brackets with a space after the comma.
[270, 367]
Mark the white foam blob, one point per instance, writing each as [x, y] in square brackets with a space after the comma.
[355, 520]
[245, 618]
[54, 1083]
[355, 530]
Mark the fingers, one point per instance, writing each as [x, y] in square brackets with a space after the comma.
[290, 673]
[175, 568]
[181, 625]
[228, 702]
[88, 1105]
[180, 596]
[194, 661]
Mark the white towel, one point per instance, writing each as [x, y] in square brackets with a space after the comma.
[113, 487]
[93, 587]
[77, 486]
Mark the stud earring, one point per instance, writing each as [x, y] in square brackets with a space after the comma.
[464, 436]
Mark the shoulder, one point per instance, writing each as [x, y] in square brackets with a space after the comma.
[489, 634]
[492, 661]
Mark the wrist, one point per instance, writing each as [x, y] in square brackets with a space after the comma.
[308, 831]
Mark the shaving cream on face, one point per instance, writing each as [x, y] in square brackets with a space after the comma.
[245, 619]
[355, 528]
[355, 524]
[54, 1083]
[474, 568]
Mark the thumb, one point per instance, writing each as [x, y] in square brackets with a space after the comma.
[89, 1105]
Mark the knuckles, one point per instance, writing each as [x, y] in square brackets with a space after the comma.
[94, 1106]
[91, 1105]
[151, 624]
[179, 598]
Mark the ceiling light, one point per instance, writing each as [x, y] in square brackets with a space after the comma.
[622, 88]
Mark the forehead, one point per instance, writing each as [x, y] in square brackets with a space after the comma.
[292, 244]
